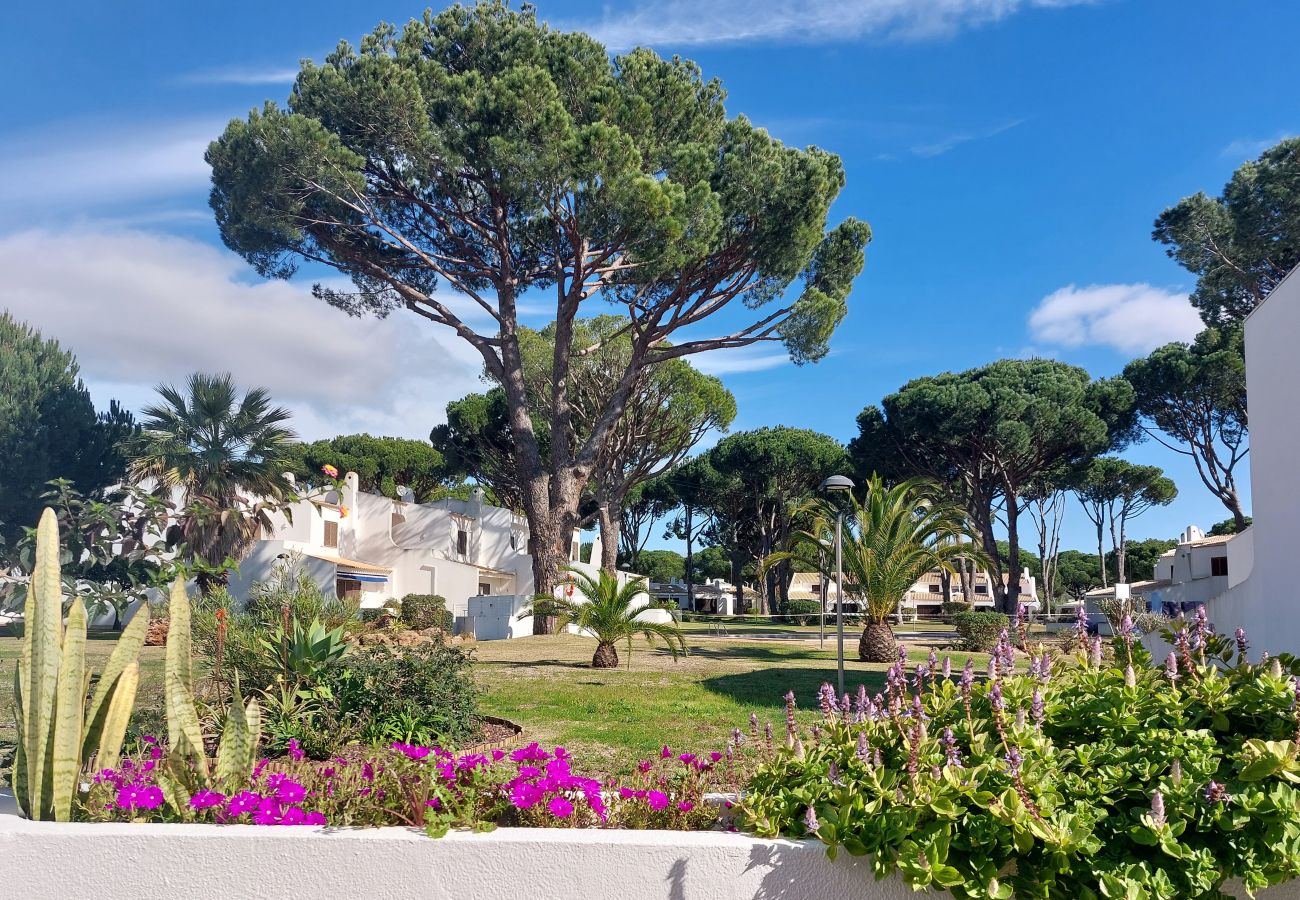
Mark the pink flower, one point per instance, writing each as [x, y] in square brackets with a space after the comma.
[329, 470]
[686, 806]
[560, 807]
[207, 799]
[665, 753]
[295, 750]
[498, 755]
[524, 795]
[657, 800]
[241, 803]
[139, 796]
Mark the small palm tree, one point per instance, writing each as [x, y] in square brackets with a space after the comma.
[225, 452]
[892, 537]
[610, 614]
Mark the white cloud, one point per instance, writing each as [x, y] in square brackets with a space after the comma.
[690, 22]
[1132, 318]
[74, 167]
[139, 308]
[242, 76]
[939, 147]
[1245, 148]
[754, 358]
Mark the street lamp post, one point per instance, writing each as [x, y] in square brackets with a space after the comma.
[835, 484]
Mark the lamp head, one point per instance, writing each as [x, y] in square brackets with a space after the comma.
[837, 483]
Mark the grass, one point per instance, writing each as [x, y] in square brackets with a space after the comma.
[98, 648]
[611, 717]
[615, 717]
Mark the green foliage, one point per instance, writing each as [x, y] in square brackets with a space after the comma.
[58, 734]
[1228, 526]
[989, 435]
[382, 464]
[49, 428]
[1077, 573]
[978, 630]
[221, 450]
[710, 563]
[475, 442]
[802, 612]
[1243, 242]
[426, 611]
[1086, 782]
[1195, 395]
[1141, 557]
[610, 613]
[416, 695]
[302, 650]
[659, 565]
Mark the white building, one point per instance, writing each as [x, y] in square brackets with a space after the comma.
[375, 549]
[1259, 585]
[713, 596]
[925, 597]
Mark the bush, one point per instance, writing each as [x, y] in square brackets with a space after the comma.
[426, 611]
[1070, 780]
[979, 630]
[417, 695]
[953, 607]
[802, 612]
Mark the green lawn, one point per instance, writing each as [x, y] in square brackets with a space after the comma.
[614, 717]
[98, 649]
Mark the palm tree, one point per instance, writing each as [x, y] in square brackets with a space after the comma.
[610, 614]
[892, 537]
[227, 456]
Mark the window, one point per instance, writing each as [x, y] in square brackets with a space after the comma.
[462, 541]
[1218, 565]
[332, 534]
[514, 541]
[484, 588]
[981, 588]
[936, 589]
[347, 588]
[816, 588]
[396, 520]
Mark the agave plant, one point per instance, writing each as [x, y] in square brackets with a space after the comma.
[892, 536]
[610, 613]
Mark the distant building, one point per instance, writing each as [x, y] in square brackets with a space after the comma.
[713, 596]
[1188, 576]
[924, 598]
[373, 549]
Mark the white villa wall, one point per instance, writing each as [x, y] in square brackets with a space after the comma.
[1267, 603]
[53, 861]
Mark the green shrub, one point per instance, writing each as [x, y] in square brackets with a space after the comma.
[803, 612]
[417, 695]
[1084, 781]
[953, 607]
[979, 630]
[426, 611]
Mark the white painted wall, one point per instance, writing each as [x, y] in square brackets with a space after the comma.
[1266, 603]
[50, 861]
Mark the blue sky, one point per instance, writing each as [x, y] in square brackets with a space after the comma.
[1010, 155]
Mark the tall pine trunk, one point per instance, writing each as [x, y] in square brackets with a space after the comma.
[690, 559]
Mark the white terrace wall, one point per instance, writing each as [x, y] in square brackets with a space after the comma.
[45, 861]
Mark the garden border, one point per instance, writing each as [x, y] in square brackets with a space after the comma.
[121, 861]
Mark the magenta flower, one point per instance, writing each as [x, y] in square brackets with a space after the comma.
[295, 750]
[657, 800]
[498, 755]
[665, 753]
[686, 806]
[525, 795]
[241, 803]
[560, 807]
[687, 758]
[412, 752]
[644, 766]
[715, 756]
[207, 799]
[531, 753]
[139, 796]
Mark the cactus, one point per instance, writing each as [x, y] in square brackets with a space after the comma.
[56, 737]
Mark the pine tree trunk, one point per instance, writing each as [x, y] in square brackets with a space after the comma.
[606, 656]
[610, 528]
[1101, 552]
[877, 643]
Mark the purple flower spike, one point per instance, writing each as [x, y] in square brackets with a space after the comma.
[950, 749]
[1038, 709]
[1158, 808]
[947, 667]
[863, 751]
[825, 699]
[967, 676]
[1014, 760]
[1216, 793]
[995, 697]
[810, 821]
[1242, 645]
[1171, 667]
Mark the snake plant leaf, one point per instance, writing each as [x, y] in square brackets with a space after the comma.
[19, 776]
[42, 624]
[116, 716]
[125, 655]
[70, 708]
[238, 744]
[184, 732]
